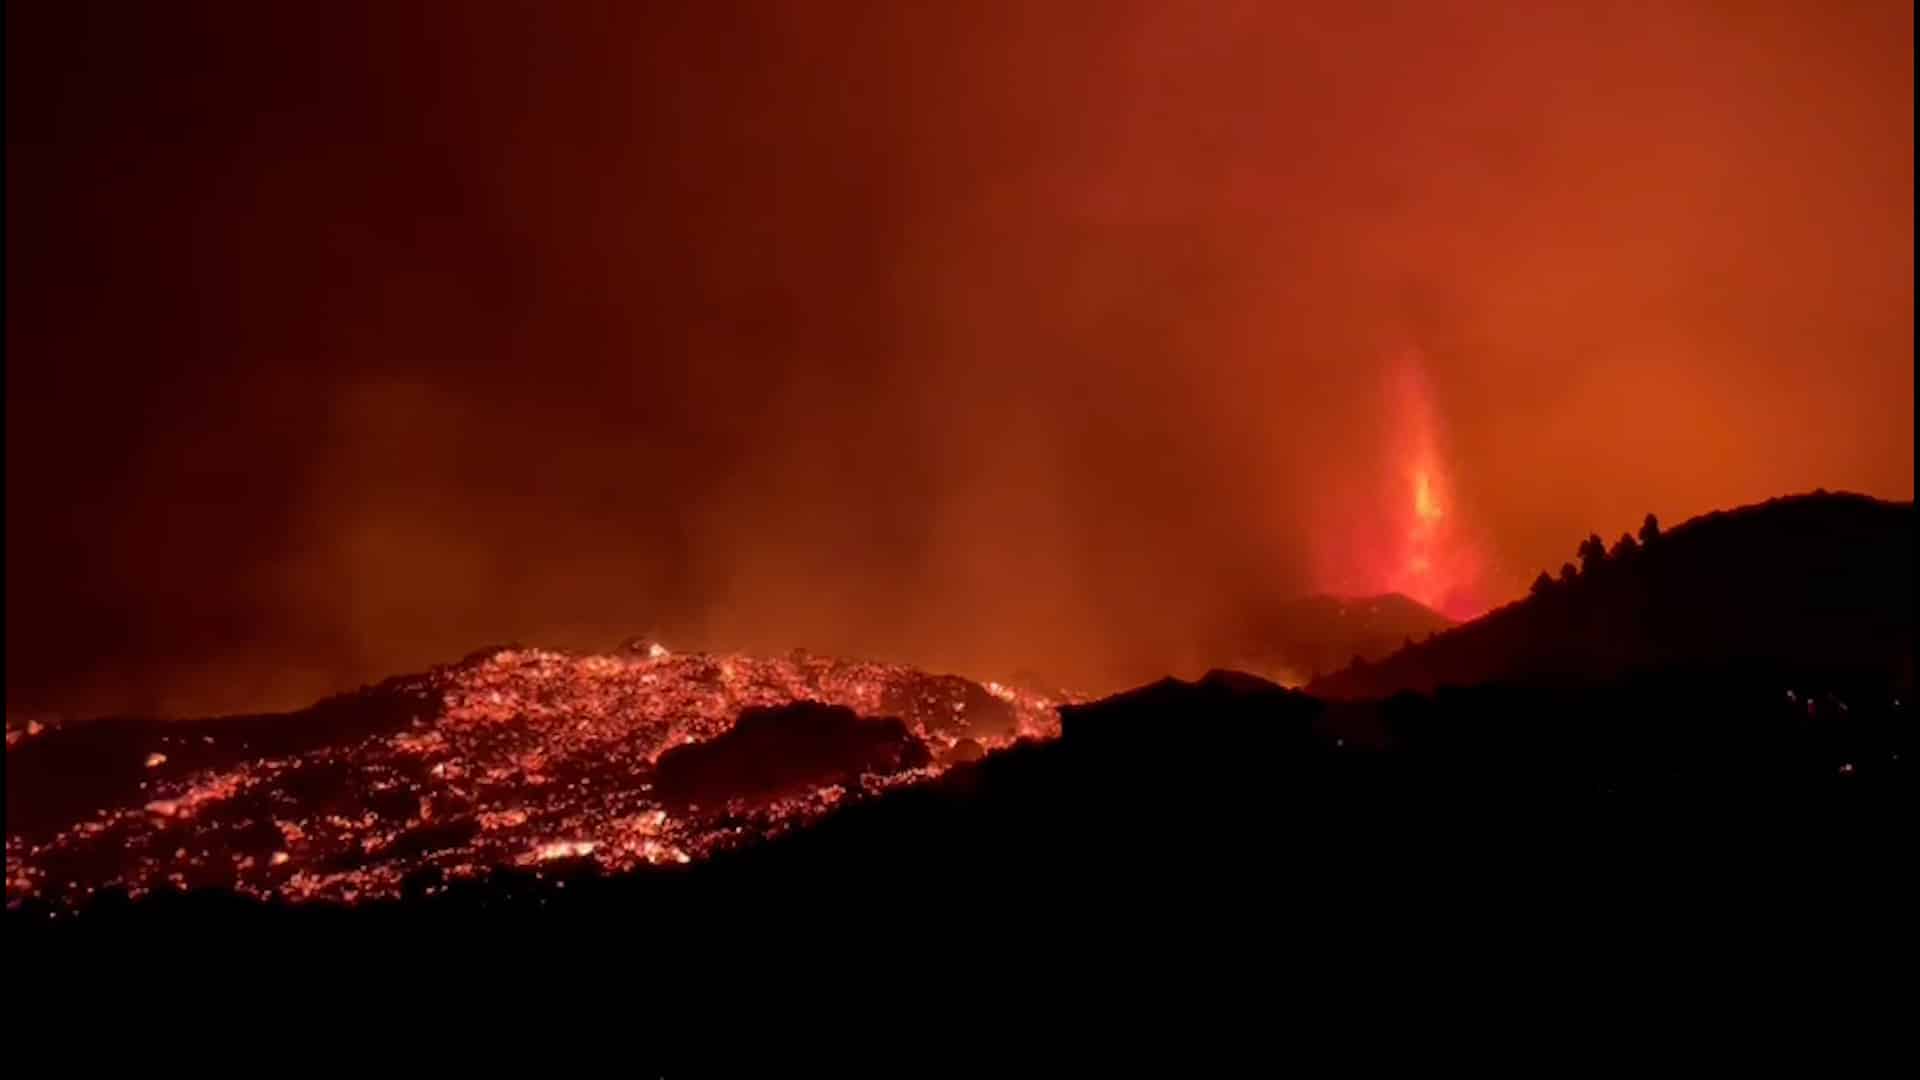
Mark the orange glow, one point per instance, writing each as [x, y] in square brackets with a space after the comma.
[997, 338]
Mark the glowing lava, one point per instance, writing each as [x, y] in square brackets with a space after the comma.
[514, 757]
[1402, 533]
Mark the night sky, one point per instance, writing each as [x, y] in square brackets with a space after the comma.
[343, 339]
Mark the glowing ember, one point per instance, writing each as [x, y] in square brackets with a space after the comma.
[518, 757]
[20, 729]
[565, 849]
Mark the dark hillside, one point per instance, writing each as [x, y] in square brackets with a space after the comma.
[1814, 588]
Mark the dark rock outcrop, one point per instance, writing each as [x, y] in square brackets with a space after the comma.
[773, 752]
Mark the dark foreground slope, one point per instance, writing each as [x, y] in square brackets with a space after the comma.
[1508, 866]
[1233, 807]
[1815, 587]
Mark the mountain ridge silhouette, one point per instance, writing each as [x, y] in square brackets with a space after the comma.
[1818, 586]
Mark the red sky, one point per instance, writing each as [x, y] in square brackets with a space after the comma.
[343, 340]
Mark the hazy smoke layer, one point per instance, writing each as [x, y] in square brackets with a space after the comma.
[1046, 336]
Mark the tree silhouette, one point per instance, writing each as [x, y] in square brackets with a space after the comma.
[1650, 530]
[1593, 552]
[1624, 548]
[1568, 573]
[1542, 584]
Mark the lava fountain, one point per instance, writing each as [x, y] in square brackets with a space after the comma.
[1402, 531]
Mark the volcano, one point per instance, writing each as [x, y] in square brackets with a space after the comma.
[1307, 637]
[1754, 662]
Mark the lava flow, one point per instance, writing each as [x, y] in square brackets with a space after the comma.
[513, 757]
